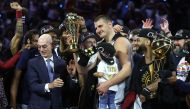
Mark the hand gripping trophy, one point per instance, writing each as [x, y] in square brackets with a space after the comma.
[72, 25]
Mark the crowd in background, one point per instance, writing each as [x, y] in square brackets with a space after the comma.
[125, 12]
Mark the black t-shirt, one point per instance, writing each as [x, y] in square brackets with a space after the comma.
[145, 76]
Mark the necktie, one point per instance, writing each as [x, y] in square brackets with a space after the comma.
[50, 69]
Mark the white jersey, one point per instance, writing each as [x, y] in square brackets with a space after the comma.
[109, 72]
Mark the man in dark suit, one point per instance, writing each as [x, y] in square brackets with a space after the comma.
[46, 75]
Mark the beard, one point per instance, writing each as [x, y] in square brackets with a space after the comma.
[179, 52]
[141, 49]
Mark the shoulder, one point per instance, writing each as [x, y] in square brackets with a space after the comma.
[122, 41]
[35, 59]
[25, 50]
[59, 62]
[25, 53]
[122, 45]
[58, 59]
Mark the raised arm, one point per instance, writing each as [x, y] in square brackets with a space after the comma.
[165, 27]
[147, 23]
[19, 27]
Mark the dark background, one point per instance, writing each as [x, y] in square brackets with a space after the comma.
[125, 12]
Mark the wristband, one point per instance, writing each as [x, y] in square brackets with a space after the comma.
[168, 32]
[146, 92]
[18, 14]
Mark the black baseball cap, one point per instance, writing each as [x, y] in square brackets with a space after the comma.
[148, 33]
[181, 34]
[107, 52]
[86, 35]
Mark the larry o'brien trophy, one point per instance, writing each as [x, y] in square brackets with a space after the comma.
[72, 26]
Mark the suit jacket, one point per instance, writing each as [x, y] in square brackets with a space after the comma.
[38, 76]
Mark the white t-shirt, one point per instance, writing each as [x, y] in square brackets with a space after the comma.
[182, 69]
[109, 71]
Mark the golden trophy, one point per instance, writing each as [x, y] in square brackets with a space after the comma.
[72, 26]
[161, 46]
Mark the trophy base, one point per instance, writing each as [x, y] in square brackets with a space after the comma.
[73, 48]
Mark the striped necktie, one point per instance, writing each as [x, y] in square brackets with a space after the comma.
[50, 69]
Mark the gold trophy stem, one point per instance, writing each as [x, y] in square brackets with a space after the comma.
[73, 47]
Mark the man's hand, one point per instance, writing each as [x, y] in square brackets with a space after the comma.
[16, 6]
[147, 23]
[103, 87]
[56, 83]
[172, 80]
[142, 98]
[66, 38]
[164, 25]
[118, 28]
[82, 24]
[71, 68]
[98, 74]
[82, 21]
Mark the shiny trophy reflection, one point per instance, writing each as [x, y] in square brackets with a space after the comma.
[72, 27]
